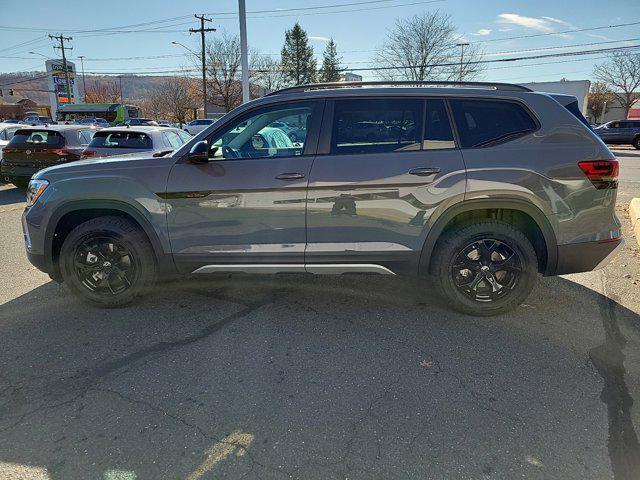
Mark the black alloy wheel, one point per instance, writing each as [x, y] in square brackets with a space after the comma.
[486, 270]
[104, 266]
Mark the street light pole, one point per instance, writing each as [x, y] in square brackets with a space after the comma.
[461, 45]
[244, 50]
[84, 85]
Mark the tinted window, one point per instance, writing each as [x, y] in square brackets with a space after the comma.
[37, 138]
[172, 140]
[121, 140]
[437, 129]
[375, 126]
[85, 136]
[485, 122]
[252, 136]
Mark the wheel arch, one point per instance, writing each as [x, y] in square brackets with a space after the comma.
[492, 208]
[69, 215]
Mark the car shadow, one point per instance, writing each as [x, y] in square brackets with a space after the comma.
[11, 195]
[314, 377]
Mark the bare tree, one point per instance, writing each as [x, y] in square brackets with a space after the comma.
[600, 99]
[224, 69]
[269, 73]
[426, 47]
[154, 104]
[178, 94]
[103, 91]
[622, 74]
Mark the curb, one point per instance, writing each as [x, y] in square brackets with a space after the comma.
[634, 213]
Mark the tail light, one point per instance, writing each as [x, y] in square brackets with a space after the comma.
[602, 173]
[9, 150]
[88, 154]
[60, 152]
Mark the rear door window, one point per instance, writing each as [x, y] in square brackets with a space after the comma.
[376, 125]
[36, 139]
[488, 122]
[171, 139]
[133, 140]
[437, 129]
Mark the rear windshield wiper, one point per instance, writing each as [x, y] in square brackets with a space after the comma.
[501, 138]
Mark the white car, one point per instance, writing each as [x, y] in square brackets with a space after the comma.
[6, 133]
[196, 126]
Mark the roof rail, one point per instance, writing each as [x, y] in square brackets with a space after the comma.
[404, 83]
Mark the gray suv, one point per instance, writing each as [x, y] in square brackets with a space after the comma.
[477, 186]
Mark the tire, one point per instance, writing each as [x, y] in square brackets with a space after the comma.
[480, 254]
[636, 142]
[107, 262]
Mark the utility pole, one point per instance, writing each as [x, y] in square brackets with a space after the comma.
[60, 38]
[244, 55]
[202, 31]
[461, 45]
[84, 85]
[121, 97]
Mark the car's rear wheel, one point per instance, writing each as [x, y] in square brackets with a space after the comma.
[107, 261]
[636, 142]
[485, 268]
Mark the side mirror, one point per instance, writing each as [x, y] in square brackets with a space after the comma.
[199, 153]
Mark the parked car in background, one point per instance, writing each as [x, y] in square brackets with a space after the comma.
[38, 120]
[6, 133]
[95, 121]
[167, 123]
[33, 148]
[480, 188]
[196, 126]
[143, 140]
[140, 122]
[620, 132]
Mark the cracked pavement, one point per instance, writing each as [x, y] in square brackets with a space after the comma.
[294, 376]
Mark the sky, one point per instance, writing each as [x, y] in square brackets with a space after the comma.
[109, 34]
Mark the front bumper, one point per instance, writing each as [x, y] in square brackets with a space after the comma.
[587, 256]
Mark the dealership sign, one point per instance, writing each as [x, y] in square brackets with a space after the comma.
[59, 93]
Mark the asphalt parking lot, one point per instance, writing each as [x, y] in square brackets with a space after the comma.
[295, 376]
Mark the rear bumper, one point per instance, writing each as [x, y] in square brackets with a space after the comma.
[10, 173]
[587, 256]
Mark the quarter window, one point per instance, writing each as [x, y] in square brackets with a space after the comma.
[85, 136]
[437, 129]
[376, 126]
[487, 122]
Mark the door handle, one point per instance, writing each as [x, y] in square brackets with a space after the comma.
[424, 171]
[290, 176]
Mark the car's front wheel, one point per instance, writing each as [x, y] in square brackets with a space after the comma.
[107, 261]
[636, 142]
[485, 268]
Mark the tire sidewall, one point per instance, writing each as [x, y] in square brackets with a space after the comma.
[143, 258]
[462, 238]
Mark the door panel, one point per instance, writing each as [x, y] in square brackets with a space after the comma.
[237, 211]
[368, 207]
[247, 204]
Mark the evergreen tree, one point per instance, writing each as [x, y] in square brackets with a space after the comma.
[298, 63]
[330, 71]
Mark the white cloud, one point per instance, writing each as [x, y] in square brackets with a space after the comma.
[528, 22]
[558, 21]
[483, 32]
[595, 35]
[318, 38]
[506, 29]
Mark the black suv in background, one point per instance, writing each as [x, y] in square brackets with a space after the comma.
[33, 148]
[477, 186]
[620, 132]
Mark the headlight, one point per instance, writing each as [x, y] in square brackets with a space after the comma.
[35, 189]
